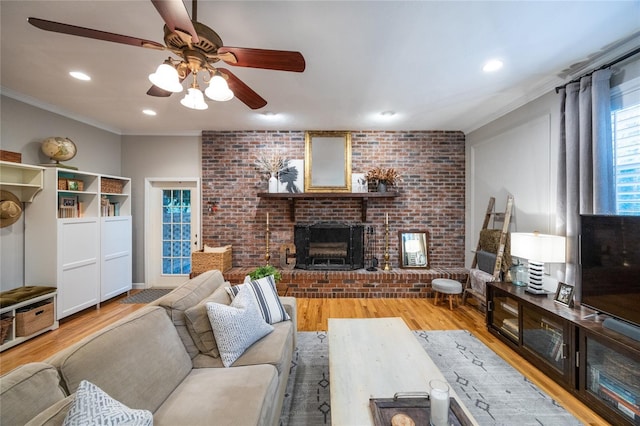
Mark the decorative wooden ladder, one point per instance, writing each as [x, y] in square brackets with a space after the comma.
[505, 218]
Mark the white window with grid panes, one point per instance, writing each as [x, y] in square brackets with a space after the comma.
[625, 126]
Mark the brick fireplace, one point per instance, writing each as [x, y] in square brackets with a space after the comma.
[431, 197]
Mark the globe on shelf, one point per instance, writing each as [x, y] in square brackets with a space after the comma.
[59, 149]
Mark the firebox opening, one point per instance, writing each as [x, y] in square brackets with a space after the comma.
[326, 246]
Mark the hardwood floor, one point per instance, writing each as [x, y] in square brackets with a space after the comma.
[419, 314]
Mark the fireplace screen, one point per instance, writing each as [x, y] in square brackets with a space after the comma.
[329, 246]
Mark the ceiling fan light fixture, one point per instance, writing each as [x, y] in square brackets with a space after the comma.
[194, 99]
[218, 89]
[166, 77]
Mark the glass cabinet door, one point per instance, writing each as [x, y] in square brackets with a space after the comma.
[614, 379]
[505, 317]
[546, 337]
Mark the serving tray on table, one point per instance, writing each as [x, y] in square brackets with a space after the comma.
[416, 408]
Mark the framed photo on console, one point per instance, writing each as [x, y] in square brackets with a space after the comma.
[564, 294]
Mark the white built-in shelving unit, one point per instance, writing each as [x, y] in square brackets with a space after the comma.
[78, 238]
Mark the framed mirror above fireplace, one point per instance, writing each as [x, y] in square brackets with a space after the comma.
[414, 249]
[327, 161]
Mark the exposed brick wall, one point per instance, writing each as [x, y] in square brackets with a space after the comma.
[432, 191]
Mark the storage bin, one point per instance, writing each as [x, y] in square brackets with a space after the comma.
[111, 186]
[202, 262]
[5, 327]
[34, 318]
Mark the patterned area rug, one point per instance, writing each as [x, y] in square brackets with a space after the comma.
[147, 295]
[493, 391]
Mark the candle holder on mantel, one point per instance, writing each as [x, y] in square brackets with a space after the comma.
[267, 256]
[387, 267]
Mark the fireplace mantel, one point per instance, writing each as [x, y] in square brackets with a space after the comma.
[292, 197]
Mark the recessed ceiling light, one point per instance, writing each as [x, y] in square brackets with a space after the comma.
[269, 114]
[80, 75]
[149, 112]
[492, 65]
[388, 113]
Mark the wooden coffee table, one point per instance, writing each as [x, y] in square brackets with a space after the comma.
[375, 358]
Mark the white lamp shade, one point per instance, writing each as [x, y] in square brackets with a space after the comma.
[166, 77]
[194, 99]
[218, 89]
[540, 248]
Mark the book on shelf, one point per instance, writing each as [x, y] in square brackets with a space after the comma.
[618, 387]
[630, 410]
[513, 310]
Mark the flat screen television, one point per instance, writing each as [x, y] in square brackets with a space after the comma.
[610, 265]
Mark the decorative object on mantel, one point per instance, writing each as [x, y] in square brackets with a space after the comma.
[273, 165]
[59, 149]
[383, 178]
[10, 208]
[291, 177]
[358, 183]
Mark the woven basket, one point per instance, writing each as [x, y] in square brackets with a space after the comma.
[5, 327]
[34, 318]
[111, 186]
[202, 262]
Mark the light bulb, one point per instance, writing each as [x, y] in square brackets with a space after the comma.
[218, 89]
[194, 99]
[166, 77]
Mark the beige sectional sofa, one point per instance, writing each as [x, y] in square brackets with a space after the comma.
[150, 360]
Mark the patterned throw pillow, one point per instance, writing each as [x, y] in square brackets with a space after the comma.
[237, 326]
[92, 406]
[266, 296]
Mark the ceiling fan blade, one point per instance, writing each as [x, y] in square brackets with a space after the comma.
[242, 91]
[57, 27]
[175, 15]
[281, 60]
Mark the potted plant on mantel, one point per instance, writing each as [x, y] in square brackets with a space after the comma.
[383, 178]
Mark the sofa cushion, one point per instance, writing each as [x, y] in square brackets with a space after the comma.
[94, 406]
[199, 325]
[35, 385]
[138, 360]
[237, 326]
[266, 296]
[54, 415]
[224, 397]
[186, 296]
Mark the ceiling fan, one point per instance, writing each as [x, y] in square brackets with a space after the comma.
[198, 49]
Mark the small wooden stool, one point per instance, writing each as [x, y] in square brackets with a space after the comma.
[444, 286]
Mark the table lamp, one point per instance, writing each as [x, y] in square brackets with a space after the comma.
[538, 249]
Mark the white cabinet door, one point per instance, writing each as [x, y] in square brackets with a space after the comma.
[78, 265]
[115, 255]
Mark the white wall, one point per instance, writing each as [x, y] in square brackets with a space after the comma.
[153, 157]
[22, 128]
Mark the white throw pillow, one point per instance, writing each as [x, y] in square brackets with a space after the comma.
[266, 296]
[92, 406]
[237, 326]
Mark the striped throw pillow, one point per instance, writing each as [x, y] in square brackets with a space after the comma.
[266, 295]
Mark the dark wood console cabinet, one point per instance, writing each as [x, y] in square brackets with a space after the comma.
[597, 365]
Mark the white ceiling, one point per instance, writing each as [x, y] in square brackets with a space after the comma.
[421, 59]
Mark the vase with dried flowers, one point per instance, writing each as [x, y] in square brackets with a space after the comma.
[272, 164]
[383, 178]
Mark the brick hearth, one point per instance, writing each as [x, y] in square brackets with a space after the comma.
[397, 283]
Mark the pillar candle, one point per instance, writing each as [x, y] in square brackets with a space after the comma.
[267, 219]
[439, 398]
[386, 219]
